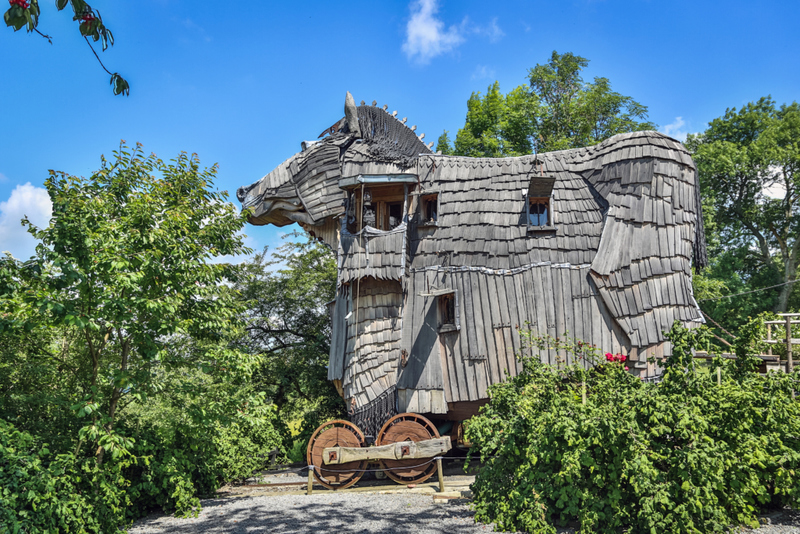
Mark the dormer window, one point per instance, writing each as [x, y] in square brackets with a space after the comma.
[539, 211]
[539, 204]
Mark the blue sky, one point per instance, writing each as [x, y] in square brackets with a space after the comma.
[243, 83]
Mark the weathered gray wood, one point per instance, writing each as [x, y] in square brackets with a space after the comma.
[479, 303]
[467, 387]
[402, 450]
[491, 316]
[625, 304]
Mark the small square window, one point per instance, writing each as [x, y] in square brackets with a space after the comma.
[539, 211]
[447, 305]
[429, 209]
[447, 310]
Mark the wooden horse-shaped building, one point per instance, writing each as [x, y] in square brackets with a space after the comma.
[442, 260]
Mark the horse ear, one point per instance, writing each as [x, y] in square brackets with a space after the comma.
[351, 114]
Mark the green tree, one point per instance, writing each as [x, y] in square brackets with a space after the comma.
[557, 111]
[25, 14]
[498, 125]
[443, 144]
[123, 270]
[288, 325]
[575, 113]
[748, 162]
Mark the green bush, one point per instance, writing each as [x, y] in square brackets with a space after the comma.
[45, 492]
[683, 455]
[190, 444]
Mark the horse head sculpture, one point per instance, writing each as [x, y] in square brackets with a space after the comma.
[304, 188]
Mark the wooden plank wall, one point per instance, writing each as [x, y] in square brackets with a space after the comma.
[372, 253]
[495, 310]
[372, 349]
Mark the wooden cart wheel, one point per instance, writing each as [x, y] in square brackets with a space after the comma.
[337, 433]
[407, 427]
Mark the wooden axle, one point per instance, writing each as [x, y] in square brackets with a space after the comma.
[401, 450]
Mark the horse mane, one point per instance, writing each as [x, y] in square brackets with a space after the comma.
[389, 140]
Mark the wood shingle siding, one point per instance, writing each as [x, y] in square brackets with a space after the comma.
[611, 267]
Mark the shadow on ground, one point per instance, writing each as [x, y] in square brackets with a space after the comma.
[341, 513]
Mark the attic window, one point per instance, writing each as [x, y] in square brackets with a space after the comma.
[429, 209]
[538, 203]
[539, 211]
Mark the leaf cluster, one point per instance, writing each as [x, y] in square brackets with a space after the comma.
[118, 352]
[25, 14]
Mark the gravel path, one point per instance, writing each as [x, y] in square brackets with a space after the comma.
[362, 513]
[366, 513]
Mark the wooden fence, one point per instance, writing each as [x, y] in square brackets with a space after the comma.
[787, 320]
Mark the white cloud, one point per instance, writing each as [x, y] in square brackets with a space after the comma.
[426, 36]
[492, 31]
[196, 29]
[25, 200]
[482, 72]
[676, 129]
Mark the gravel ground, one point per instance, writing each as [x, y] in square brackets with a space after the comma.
[362, 513]
[365, 513]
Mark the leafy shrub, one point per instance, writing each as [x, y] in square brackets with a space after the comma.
[45, 492]
[190, 444]
[684, 455]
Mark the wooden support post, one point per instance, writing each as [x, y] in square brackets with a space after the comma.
[789, 357]
[441, 474]
[583, 392]
[719, 376]
[310, 479]
[789, 362]
[769, 347]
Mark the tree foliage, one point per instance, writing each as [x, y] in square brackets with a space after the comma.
[685, 455]
[498, 125]
[118, 350]
[25, 14]
[748, 163]
[557, 110]
[288, 325]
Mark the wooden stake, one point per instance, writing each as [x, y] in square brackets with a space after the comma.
[583, 391]
[441, 474]
[789, 357]
[310, 479]
[719, 376]
[769, 347]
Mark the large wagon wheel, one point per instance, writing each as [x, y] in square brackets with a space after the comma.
[337, 433]
[407, 427]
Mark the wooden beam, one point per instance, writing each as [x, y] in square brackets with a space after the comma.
[402, 450]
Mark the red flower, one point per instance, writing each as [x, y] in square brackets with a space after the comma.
[622, 358]
[609, 357]
[626, 367]
[21, 3]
